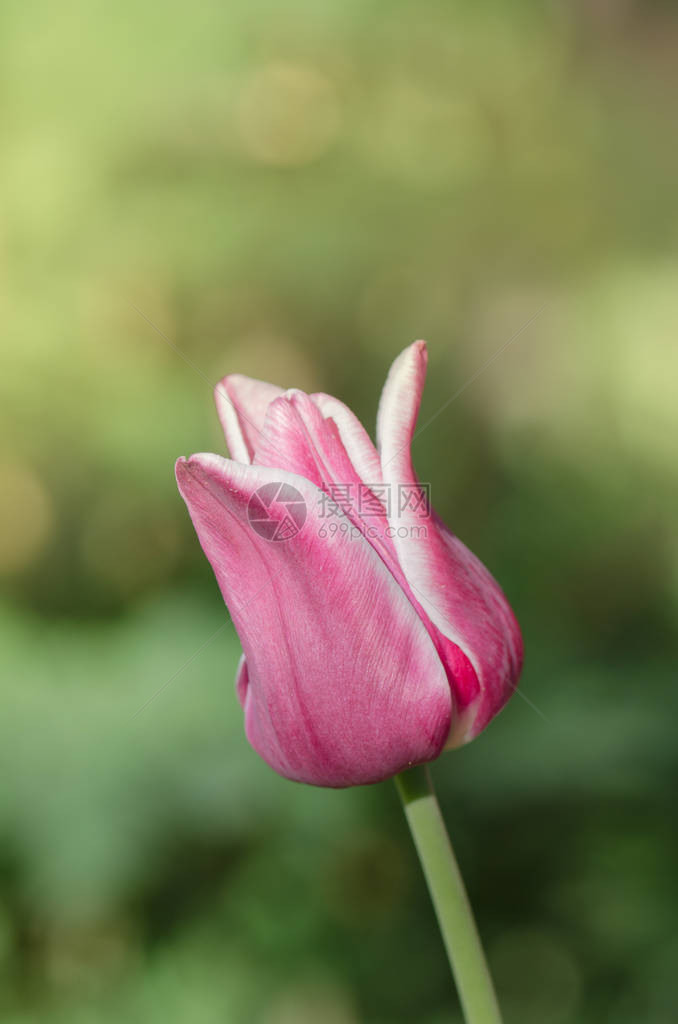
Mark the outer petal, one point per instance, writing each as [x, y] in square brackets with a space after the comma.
[296, 438]
[241, 406]
[342, 684]
[457, 592]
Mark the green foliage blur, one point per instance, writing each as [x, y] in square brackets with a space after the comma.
[296, 191]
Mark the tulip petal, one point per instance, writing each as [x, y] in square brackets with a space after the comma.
[356, 440]
[456, 591]
[296, 437]
[241, 406]
[342, 683]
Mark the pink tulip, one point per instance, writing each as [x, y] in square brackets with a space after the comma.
[372, 638]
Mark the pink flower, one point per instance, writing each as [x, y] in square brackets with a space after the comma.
[372, 638]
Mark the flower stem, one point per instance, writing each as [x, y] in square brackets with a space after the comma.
[448, 894]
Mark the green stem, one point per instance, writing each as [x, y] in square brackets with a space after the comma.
[450, 901]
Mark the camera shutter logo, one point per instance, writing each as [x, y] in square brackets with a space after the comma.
[276, 511]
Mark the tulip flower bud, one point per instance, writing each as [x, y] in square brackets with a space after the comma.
[372, 637]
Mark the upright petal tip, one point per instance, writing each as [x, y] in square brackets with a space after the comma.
[400, 400]
[294, 396]
[412, 360]
[233, 382]
[416, 353]
[241, 406]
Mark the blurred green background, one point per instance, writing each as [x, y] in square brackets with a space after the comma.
[296, 191]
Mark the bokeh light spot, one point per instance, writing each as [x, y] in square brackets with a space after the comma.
[287, 114]
[546, 993]
[310, 1003]
[26, 516]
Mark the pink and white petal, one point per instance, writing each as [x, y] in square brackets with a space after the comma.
[297, 438]
[241, 406]
[398, 410]
[356, 440]
[286, 442]
[457, 593]
[491, 629]
[343, 684]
